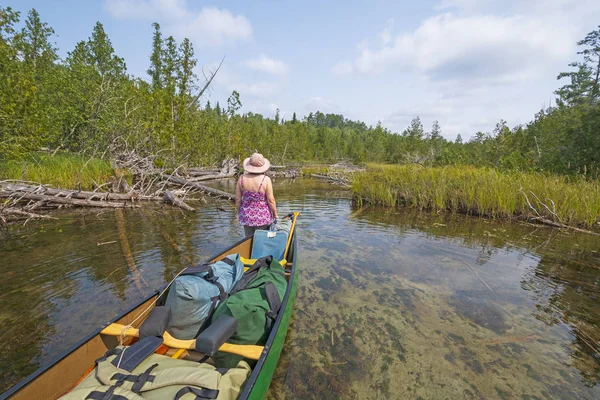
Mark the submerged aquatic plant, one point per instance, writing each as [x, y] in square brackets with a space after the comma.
[481, 191]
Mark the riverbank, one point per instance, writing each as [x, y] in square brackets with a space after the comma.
[482, 191]
[61, 170]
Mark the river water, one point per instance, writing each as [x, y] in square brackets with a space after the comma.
[392, 303]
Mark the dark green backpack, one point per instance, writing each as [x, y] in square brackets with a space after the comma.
[254, 302]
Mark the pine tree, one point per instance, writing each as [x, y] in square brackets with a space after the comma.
[156, 67]
[436, 131]
[294, 119]
[186, 77]
[415, 130]
[458, 139]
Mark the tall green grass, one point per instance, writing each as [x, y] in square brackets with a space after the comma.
[481, 191]
[64, 170]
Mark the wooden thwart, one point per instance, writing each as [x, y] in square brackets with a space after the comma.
[252, 352]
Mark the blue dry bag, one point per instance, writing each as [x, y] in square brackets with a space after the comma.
[195, 293]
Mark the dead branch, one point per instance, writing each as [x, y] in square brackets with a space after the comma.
[209, 80]
[64, 200]
[183, 182]
[171, 199]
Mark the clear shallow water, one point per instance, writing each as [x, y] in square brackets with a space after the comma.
[391, 303]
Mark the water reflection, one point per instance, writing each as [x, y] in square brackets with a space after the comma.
[391, 304]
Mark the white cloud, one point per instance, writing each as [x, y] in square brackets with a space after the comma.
[326, 106]
[342, 68]
[214, 27]
[269, 65]
[259, 89]
[209, 26]
[448, 45]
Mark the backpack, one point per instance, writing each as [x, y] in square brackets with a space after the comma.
[272, 242]
[195, 293]
[254, 303]
[158, 377]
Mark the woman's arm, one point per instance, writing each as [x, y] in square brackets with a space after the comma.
[238, 196]
[271, 198]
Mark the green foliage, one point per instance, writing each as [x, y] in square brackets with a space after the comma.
[88, 104]
[481, 191]
[69, 171]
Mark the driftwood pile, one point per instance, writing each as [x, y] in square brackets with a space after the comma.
[26, 200]
[281, 171]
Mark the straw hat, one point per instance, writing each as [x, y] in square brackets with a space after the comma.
[256, 164]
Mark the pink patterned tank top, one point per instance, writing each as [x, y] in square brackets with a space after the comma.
[254, 210]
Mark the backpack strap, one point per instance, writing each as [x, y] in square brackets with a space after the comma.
[201, 394]
[274, 303]
[108, 395]
[133, 355]
[139, 380]
[251, 274]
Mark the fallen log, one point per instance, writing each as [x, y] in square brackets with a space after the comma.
[204, 172]
[11, 211]
[209, 177]
[545, 221]
[63, 200]
[171, 199]
[183, 182]
[342, 181]
[79, 194]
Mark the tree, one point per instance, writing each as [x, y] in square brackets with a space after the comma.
[233, 103]
[591, 56]
[584, 85]
[458, 139]
[436, 131]
[103, 54]
[415, 130]
[207, 108]
[294, 119]
[156, 67]
[186, 77]
[35, 45]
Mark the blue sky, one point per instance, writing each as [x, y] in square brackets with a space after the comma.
[466, 63]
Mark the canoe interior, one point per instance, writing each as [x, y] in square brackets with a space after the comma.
[61, 375]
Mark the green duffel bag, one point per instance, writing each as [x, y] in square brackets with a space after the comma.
[254, 303]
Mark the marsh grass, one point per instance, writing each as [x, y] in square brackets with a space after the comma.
[481, 191]
[68, 171]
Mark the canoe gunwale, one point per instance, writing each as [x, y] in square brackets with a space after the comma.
[44, 368]
[256, 371]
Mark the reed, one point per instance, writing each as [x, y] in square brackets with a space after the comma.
[64, 170]
[481, 191]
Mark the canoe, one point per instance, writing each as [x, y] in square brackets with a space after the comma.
[62, 374]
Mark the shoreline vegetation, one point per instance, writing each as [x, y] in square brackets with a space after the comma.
[549, 199]
[107, 131]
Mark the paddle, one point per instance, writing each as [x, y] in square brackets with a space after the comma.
[252, 352]
[287, 247]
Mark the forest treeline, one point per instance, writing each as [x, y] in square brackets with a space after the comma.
[88, 103]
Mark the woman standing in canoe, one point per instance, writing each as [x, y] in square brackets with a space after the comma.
[254, 198]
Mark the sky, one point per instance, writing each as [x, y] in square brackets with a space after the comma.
[466, 63]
